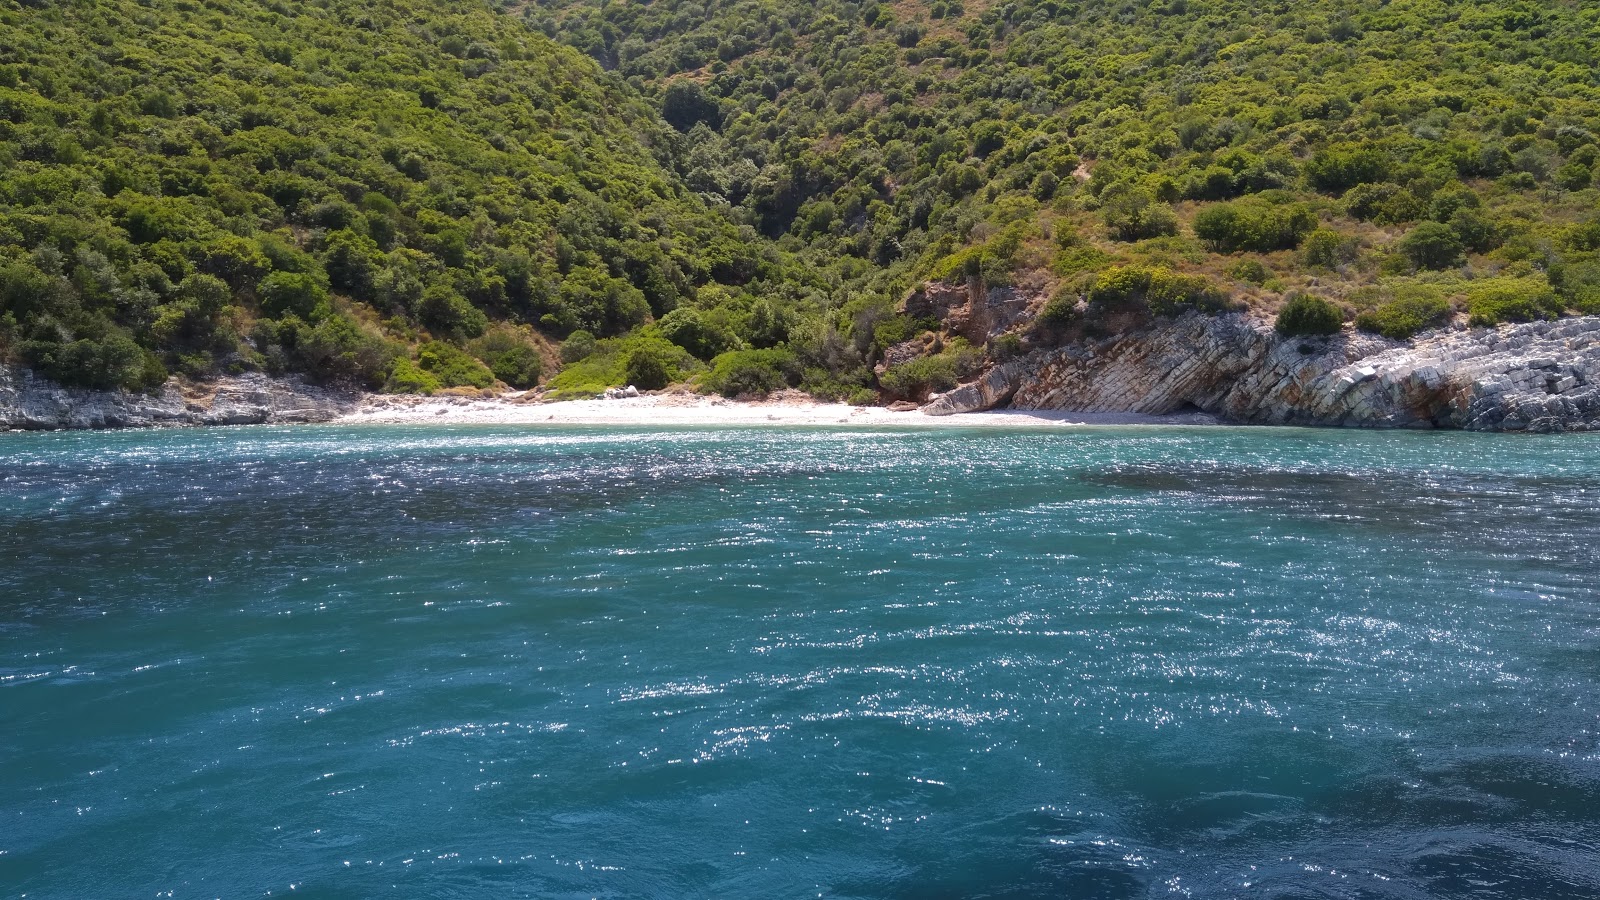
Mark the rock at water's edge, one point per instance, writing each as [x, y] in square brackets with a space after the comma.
[28, 402]
[1540, 376]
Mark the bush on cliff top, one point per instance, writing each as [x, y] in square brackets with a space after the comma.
[1500, 300]
[1306, 316]
[1163, 291]
[1409, 309]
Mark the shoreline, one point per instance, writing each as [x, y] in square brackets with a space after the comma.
[677, 410]
[1539, 377]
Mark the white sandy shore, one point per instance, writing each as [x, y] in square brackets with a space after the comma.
[677, 409]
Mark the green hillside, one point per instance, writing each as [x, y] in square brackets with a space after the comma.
[330, 187]
[1371, 153]
[417, 194]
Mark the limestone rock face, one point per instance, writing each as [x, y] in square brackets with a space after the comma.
[971, 310]
[1541, 376]
[29, 402]
[990, 391]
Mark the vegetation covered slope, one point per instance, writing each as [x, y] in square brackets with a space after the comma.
[420, 193]
[354, 189]
[1401, 159]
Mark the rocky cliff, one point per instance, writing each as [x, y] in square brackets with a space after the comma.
[32, 403]
[1542, 376]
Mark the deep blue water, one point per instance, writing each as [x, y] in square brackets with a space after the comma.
[1097, 663]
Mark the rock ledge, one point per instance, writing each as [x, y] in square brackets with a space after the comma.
[1540, 376]
[28, 402]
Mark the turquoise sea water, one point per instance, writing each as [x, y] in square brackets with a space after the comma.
[1097, 663]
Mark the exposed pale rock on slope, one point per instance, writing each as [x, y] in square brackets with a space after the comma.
[1542, 376]
[972, 310]
[30, 403]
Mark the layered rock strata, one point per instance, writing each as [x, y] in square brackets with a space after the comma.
[32, 403]
[1541, 376]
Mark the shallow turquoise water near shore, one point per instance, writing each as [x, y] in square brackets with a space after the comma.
[1115, 663]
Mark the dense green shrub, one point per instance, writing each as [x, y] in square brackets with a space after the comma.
[1077, 257]
[452, 366]
[650, 367]
[1408, 310]
[1476, 231]
[704, 335]
[685, 105]
[1511, 300]
[351, 261]
[1061, 308]
[1327, 249]
[408, 378]
[1431, 245]
[1253, 225]
[917, 378]
[1578, 283]
[1006, 347]
[336, 349]
[1574, 177]
[511, 355]
[1160, 290]
[1250, 271]
[1172, 294]
[110, 360]
[1131, 214]
[1386, 204]
[1338, 168]
[291, 293]
[1305, 315]
[991, 261]
[894, 329]
[447, 313]
[607, 365]
[578, 345]
[755, 372]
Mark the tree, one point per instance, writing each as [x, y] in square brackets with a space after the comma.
[291, 293]
[684, 105]
[445, 311]
[650, 367]
[351, 261]
[698, 333]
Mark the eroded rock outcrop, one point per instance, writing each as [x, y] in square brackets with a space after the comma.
[33, 403]
[973, 310]
[1541, 376]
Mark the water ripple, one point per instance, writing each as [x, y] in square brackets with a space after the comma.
[578, 662]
